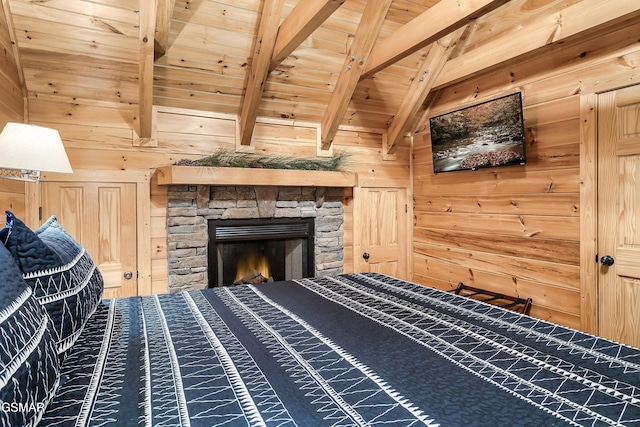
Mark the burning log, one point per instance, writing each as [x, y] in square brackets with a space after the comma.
[253, 277]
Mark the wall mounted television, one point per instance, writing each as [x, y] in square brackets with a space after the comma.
[484, 135]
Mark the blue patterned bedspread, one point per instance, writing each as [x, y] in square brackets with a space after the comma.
[351, 350]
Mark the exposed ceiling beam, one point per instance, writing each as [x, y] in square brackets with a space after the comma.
[299, 24]
[368, 29]
[585, 16]
[163, 25]
[439, 20]
[267, 34]
[145, 69]
[404, 119]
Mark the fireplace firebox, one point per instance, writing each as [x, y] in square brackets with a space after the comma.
[272, 249]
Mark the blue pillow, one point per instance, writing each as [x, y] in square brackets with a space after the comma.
[69, 290]
[27, 249]
[29, 365]
[58, 240]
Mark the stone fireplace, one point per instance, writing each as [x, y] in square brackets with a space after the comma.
[194, 262]
[260, 250]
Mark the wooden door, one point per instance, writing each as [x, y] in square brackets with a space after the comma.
[619, 215]
[381, 224]
[102, 218]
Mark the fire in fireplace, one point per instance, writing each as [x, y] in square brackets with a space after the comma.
[260, 250]
[253, 267]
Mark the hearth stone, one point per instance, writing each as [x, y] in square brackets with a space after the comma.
[189, 208]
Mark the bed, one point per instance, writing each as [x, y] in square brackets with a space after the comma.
[346, 350]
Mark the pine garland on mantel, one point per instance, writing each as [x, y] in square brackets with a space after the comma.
[226, 158]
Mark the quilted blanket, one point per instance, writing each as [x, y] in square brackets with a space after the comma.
[350, 350]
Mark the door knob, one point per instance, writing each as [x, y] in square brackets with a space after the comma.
[366, 255]
[607, 260]
[128, 275]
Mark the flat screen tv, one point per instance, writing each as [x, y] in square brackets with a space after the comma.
[485, 135]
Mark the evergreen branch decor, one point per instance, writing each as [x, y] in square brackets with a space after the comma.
[226, 158]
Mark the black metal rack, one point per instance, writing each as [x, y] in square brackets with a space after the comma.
[521, 305]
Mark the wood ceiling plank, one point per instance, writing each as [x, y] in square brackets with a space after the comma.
[215, 40]
[12, 68]
[183, 81]
[219, 5]
[299, 24]
[330, 61]
[404, 11]
[267, 33]
[586, 16]
[82, 14]
[105, 87]
[87, 111]
[353, 67]
[234, 17]
[433, 24]
[48, 31]
[222, 107]
[125, 51]
[212, 59]
[433, 64]
[68, 63]
[207, 101]
[514, 13]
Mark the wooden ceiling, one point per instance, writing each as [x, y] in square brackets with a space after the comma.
[336, 62]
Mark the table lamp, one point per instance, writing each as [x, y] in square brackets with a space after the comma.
[26, 150]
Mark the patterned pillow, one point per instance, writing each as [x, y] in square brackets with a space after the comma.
[29, 365]
[70, 290]
[58, 240]
[27, 250]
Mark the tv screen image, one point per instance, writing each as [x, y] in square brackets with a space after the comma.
[488, 134]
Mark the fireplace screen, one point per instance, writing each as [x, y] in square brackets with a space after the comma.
[260, 250]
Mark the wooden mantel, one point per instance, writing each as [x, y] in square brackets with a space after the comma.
[168, 175]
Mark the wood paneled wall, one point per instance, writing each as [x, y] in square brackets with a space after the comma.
[99, 136]
[509, 229]
[11, 94]
[516, 229]
[12, 193]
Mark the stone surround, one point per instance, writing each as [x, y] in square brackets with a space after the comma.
[191, 206]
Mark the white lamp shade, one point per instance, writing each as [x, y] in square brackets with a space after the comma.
[31, 147]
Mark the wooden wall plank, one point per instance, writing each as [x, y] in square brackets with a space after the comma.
[552, 227]
[561, 275]
[554, 185]
[14, 202]
[556, 204]
[516, 179]
[551, 250]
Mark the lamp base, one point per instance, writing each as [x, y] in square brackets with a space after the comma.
[20, 174]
